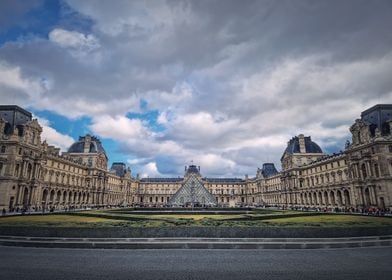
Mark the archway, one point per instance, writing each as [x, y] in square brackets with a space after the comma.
[58, 196]
[346, 195]
[11, 205]
[51, 199]
[44, 196]
[320, 198]
[326, 200]
[44, 201]
[367, 197]
[64, 197]
[382, 203]
[25, 197]
[332, 198]
[339, 198]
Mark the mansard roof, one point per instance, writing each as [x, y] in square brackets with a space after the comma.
[95, 145]
[224, 180]
[310, 146]
[120, 168]
[379, 117]
[269, 170]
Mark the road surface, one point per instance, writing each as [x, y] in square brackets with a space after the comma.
[41, 263]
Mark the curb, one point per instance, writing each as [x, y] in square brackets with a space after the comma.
[197, 243]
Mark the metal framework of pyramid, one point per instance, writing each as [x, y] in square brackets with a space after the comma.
[192, 192]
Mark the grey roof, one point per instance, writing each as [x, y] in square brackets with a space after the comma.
[95, 145]
[15, 117]
[378, 116]
[161, 180]
[224, 180]
[310, 146]
[192, 169]
[179, 179]
[120, 168]
[269, 170]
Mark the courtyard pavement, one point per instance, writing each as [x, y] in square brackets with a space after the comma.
[42, 263]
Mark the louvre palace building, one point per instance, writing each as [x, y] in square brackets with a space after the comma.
[35, 176]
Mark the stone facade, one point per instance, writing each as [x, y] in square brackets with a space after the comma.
[34, 175]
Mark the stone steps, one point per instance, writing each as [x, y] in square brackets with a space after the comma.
[197, 243]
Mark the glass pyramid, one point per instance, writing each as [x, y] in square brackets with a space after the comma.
[192, 193]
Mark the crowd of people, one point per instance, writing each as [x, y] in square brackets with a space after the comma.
[376, 211]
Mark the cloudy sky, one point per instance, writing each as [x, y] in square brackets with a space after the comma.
[223, 83]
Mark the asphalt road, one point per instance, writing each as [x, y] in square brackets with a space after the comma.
[40, 263]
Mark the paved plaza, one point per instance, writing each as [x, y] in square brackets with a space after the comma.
[39, 263]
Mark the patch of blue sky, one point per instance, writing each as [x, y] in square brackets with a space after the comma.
[113, 152]
[37, 22]
[43, 18]
[73, 128]
[167, 166]
[80, 127]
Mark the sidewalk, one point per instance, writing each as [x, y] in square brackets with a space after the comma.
[197, 243]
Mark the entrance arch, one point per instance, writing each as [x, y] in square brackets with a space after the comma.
[367, 197]
[25, 197]
[346, 195]
[339, 198]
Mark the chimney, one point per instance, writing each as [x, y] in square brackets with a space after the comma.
[301, 139]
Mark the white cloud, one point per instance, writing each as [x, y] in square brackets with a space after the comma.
[119, 127]
[74, 40]
[150, 170]
[20, 87]
[53, 137]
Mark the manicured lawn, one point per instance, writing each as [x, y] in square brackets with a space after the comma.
[195, 217]
[54, 220]
[330, 220]
[105, 218]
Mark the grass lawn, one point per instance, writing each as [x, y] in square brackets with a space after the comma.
[105, 218]
[55, 220]
[195, 217]
[330, 220]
